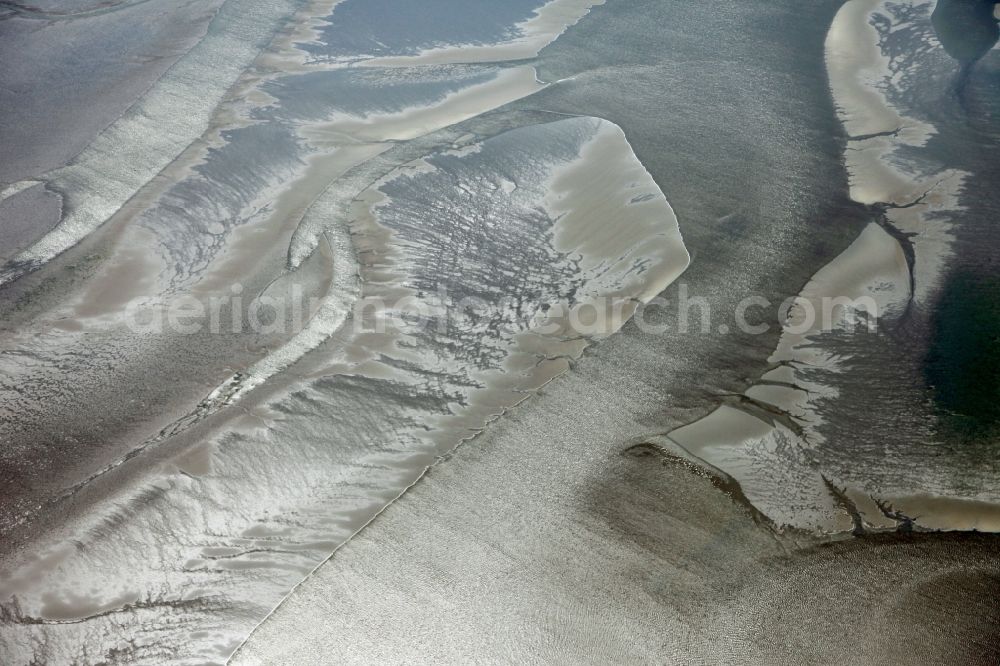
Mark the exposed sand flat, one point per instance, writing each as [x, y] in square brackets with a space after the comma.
[873, 178]
[235, 478]
[856, 66]
[506, 86]
[338, 145]
[765, 444]
[137, 280]
[497, 555]
[285, 207]
[609, 211]
[341, 144]
[769, 461]
[550, 21]
[858, 73]
[878, 170]
[132, 279]
[607, 215]
[129, 278]
[873, 267]
[917, 207]
[947, 513]
[778, 469]
[88, 85]
[590, 559]
[133, 285]
[564, 533]
[283, 55]
[872, 273]
[204, 476]
[929, 229]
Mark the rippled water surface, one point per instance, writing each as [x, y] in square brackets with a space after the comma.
[475, 420]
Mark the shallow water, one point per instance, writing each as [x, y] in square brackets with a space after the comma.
[167, 490]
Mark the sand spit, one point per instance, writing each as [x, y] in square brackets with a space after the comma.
[17, 188]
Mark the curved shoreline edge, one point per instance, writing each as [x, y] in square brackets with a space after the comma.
[901, 247]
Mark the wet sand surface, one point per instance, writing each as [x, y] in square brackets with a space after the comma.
[629, 493]
[817, 380]
[585, 557]
[622, 555]
[170, 475]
